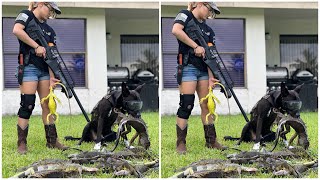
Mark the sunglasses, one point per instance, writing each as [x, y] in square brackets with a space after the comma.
[213, 14]
[52, 11]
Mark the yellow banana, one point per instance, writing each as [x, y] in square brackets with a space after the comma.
[52, 98]
[212, 99]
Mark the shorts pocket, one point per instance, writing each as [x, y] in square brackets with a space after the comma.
[16, 72]
[176, 72]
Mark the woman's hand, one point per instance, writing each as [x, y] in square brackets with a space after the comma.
[213, 80]
[53, 81]
[199, 51]
[40, 51]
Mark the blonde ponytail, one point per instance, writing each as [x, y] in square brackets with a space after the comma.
[191, 6]
[32, 6]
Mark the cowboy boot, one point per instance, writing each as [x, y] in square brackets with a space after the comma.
[181, 140]
[52, 137]
[22, 139]
[211, 137]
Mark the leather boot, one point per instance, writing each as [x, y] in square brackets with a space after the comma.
[181, 140]
[211, 137]
[22, 139]
[52, 137]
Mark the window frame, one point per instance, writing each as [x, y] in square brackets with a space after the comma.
[292, 36]
[84, 53]
[244, 53]
[139, 35]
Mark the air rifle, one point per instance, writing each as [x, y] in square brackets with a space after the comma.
[55, 62]
[216, 66]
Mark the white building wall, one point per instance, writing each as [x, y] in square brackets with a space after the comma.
[127, 26]
[96, 63]
[255, 60]
[280, 26]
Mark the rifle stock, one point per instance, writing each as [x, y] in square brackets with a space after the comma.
[211, 54]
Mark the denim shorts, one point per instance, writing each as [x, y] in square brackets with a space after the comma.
[191, 73]
[32, 73]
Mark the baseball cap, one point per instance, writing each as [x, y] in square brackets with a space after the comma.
[55, 7]
[214, 7]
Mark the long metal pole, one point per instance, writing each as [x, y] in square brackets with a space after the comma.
[80, 105]
[231, 89]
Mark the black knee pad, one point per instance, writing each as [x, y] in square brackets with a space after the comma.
[186, 105]
[26, 105]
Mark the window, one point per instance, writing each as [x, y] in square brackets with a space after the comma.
[299, 52]
[229, 42]
[140, 52]
[70, 42]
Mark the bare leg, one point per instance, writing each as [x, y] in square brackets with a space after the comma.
[202, 91]
[43, 91]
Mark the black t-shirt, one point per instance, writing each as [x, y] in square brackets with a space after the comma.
[24, 17]
[183, 17]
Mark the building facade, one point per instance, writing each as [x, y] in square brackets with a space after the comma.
[249, 36]
[90, 36]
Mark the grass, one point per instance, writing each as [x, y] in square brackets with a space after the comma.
[67, 125]
[226, 125]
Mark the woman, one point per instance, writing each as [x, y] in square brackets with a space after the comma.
[196, 76]
[33, 73]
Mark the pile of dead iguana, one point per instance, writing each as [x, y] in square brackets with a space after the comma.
[281, 163]
[128, 162]
[122, 163]
[213, 168]
[54, 168]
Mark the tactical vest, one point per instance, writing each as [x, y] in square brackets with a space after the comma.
[192, 58]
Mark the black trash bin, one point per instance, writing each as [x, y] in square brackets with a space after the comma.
[309, 90]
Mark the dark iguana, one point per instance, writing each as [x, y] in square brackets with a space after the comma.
[275, 161]
[138, 124]
[251, 156]
[137, 153]
[298, 125]
[53, 168]
[88, 157]
[123, 167]
[121, 163]
[212, 168]
[281, 167]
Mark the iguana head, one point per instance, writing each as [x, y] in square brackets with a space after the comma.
[144, 140]
[303, 141]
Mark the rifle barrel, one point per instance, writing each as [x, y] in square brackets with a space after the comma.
[80, 105]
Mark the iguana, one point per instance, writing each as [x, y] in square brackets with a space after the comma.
[213, 169]
[300, 130]
[54, 168]
[138, 124]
